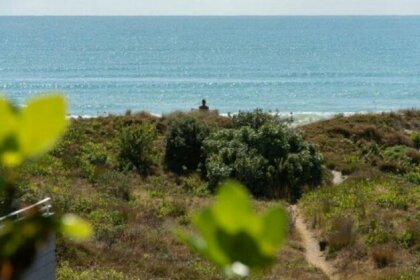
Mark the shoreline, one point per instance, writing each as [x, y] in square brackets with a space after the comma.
[295, 118]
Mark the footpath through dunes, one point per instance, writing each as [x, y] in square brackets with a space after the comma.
[313, 253]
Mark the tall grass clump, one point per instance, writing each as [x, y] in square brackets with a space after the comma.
[136, 147]
[383, 256]
[415, 137]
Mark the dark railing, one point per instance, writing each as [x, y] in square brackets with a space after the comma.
[44, 265]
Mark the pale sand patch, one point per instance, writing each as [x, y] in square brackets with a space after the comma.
[338, 177]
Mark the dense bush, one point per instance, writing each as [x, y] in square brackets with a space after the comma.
[68, 149]
[271, 160]
[184, 140]
[254, 119]
[136, 147]
[93, 158]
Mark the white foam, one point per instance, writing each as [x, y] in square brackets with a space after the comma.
[81, 117]
[302, 118]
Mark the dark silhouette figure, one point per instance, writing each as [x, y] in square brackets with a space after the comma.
[203, 106]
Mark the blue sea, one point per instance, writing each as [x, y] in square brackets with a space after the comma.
[306, 65]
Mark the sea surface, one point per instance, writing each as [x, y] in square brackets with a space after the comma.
[307, 65]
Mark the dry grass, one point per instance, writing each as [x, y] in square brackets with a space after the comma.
[383, 256]
[341, 233]
[351, 143]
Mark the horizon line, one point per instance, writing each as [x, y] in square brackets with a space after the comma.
[211, 15]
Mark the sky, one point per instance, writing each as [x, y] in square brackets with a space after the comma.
[209, 7]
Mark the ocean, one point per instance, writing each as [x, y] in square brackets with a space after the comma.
[314, 66]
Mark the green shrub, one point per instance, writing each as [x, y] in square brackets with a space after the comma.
[406, 239]
[108, 225]
[171, 208]
[184, 140]
[399, 159]
[254, 119]
[195, 185]
[68, 149]
[93, 158]
[271, 160]
[136, 147]
[413, 177]
[95, 153]
[353, 162]
[410, 234]
[398, 155]
[378, 233]
[45, 166]
[115, 184]
[415, 137]
[391, 199]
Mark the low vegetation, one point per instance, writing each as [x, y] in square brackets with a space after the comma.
[366, 221]
[369, 142]
[370, 223]
[137, 177]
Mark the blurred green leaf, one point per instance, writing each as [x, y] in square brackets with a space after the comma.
[41, 123]
[32, 130]
[206, 224]
[26, 133]
[7, 119]
[75, 227]
[275, 223]
[11, 158]
[234, 236]
[233, 209]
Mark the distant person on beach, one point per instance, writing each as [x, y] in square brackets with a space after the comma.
[203, 106]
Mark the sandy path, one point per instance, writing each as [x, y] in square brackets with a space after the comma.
[338, 177]
[313, 254]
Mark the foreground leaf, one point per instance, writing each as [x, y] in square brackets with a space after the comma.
[233, 236]
[75, 227]
[41, 123]
[7, 119]
[31, 131]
